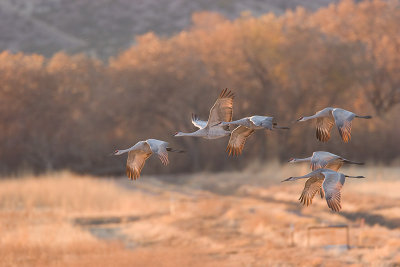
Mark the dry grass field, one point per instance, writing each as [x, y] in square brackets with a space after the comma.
[207, 219]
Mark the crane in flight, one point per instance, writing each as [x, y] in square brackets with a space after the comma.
[327, 117]
[141, 151]
[331, 182]
[246, 128]
[221, 111]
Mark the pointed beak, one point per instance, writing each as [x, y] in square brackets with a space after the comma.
[288, 179]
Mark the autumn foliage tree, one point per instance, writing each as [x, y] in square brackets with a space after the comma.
[71, 111]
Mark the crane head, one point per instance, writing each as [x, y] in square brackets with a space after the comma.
[116, 152]
[288, 179]
[291, 160]
[178, 134]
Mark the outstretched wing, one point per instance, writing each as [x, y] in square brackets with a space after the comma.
[136, 160]
[238, 139]
[334, 164]
[332, 185]
[160, 149]
[222, 109]
[311, 187]
[197, 122]
[324, 126]
[343, 119]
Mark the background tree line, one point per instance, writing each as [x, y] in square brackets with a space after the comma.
[71, 111]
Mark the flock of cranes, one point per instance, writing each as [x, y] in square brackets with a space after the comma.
[324, 177]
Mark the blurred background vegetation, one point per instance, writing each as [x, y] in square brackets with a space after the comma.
[61, 110]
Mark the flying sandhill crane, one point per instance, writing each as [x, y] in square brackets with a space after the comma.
[321, 160]
[246, 127]
[221, 111]
[327, 117]
[141, 151]
[331, 181]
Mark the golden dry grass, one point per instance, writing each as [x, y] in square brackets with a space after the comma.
[226, 219]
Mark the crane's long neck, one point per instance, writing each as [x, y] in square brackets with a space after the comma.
[300, 177]
[196, 133]
[122, 151]
[310, 117]
[185, 134]
[323, 113]
[303, 160]
[296, 178]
